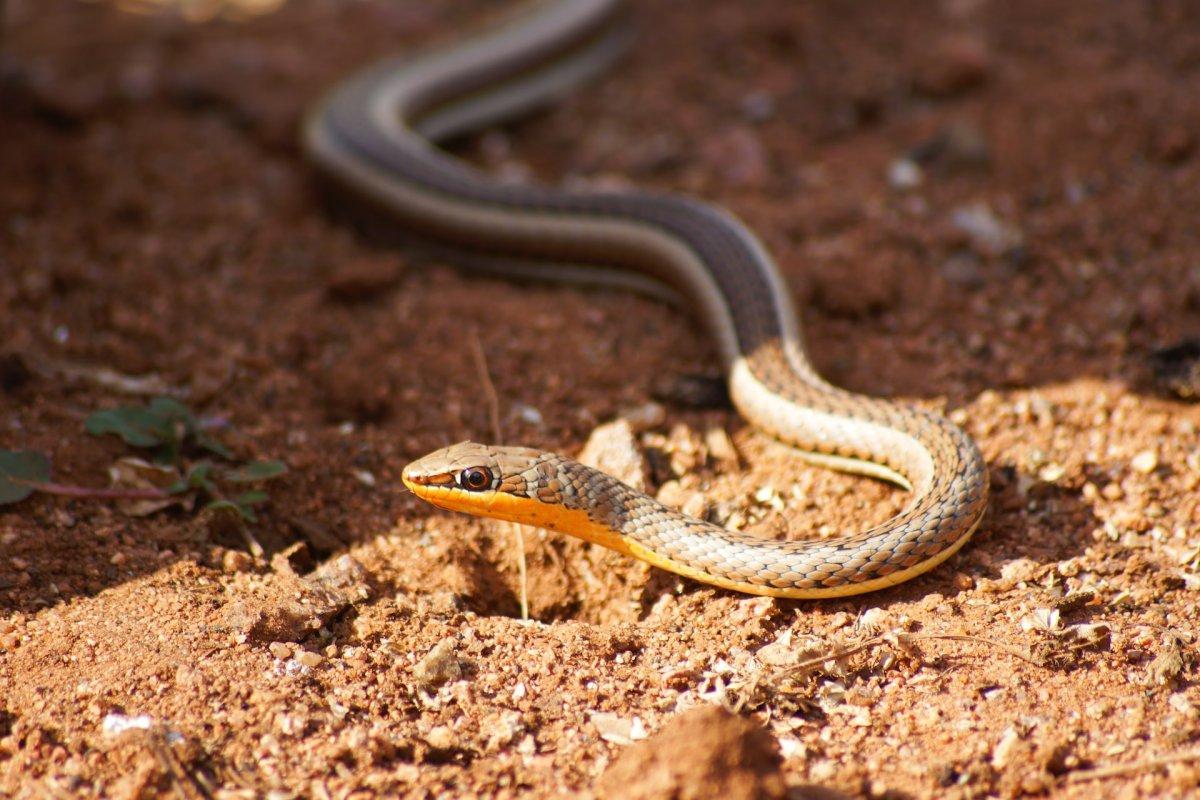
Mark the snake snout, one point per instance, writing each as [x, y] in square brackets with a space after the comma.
[408, 475]
[433, 469]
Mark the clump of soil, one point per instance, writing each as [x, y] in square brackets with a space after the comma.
[705, 752]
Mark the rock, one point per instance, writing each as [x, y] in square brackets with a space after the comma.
[612, 448]
[440, 665]
[673, 494]
[1006, 748]
[987, 233]
[340, 582]
[1145, 462]
[440, 737]
[704, 752]
[234, 561]
[905, 174]
[307, 658]
[644, 417]
[617, 729]
[721, 449]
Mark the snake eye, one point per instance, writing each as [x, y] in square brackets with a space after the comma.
[475, 478]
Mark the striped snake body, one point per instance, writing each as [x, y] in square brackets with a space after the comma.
[372, 136]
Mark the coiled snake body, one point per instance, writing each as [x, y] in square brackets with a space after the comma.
[373, 136]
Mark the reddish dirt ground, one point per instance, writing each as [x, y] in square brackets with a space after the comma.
[986, 208]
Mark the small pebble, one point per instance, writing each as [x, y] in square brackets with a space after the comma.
[1052, 472]
[988, 234]
[613, 448]
[905, 174]
[872, 619]
[309, 659]
[822, 771]
[236, 561]
[697, 505]
[644, 417]
[1145, 462]
[1004, 750]
[440, 738]
[721, 448]
[673, 494]
[529, 414]
[440, 665]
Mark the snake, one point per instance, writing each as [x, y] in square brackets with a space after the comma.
[374, 139]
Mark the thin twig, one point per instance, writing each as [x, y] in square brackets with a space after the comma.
[1118, 770]
[819, 660]
[1012, 651]
[489, 391]
[878, 640]
[523, 576]
[485, 380]
[182, 778]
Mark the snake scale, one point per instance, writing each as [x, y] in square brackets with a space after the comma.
[374, 136]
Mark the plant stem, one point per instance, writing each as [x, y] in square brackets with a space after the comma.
[67, 490]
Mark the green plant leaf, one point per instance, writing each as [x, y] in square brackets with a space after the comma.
[228, 506]
[176, 422]
[196, 478]
[137, 426]
[17, 469]
[210, 444]
[252, 498]
[256, 471]
[171, 410]
[165, 424]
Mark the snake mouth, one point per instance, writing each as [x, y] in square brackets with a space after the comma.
[438, 490]
[412, 478]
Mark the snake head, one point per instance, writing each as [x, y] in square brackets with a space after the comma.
[476, 478]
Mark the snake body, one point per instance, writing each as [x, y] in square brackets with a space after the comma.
[373, 135]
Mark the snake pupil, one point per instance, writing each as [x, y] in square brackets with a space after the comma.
[474, 478]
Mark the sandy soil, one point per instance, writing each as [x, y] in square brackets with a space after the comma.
[987, 208]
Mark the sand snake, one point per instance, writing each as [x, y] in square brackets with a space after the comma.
[372, 136]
